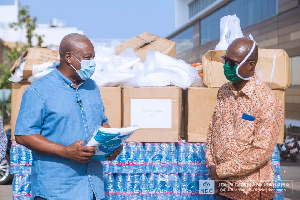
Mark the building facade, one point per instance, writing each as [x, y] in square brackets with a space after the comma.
[274, 24]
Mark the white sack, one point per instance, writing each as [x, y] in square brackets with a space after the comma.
[230, 29]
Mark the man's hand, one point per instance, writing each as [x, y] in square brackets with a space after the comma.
[213, 173]
[79, 153]
[114, 154]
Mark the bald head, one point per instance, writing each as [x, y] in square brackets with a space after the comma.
[71, 42]
[241, 47]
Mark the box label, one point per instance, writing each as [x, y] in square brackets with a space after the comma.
[151, 113]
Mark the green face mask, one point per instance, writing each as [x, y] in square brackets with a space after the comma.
[230, 73]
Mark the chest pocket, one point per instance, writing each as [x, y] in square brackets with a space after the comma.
[97, 111]
[244, 130]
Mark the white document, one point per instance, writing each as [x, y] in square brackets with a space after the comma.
[151, 113]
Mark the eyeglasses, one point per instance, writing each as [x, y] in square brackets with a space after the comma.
[231, 62]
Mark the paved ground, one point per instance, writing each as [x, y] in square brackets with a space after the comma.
[5, 192]
[290, 174]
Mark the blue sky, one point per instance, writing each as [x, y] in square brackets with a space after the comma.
[108, 19]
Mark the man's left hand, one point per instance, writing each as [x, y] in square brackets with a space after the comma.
[213, 173]
[114, 154]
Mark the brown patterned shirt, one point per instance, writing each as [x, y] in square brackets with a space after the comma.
[241, 149]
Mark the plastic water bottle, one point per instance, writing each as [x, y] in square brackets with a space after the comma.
[26, 187]
[173, 158]
[105, 167]
[29, 159]
[148, 157]
[109, 186]
[162, 186]
[181, 162]
[128, 189]
[203, 168]
[151, 186]
[119, 186]
[114, 166]
[279, 195]
[14, 159]
[164, 162]
[198, 159]
[132, 149]
[140, 159]
[17, 184]
[23, 160]
[278, 183]
[123, 159]
[193, 186]
[144, 187]
[190, 158]
[135, 182]
[176, 185]
[156, 159]
[276, 167]
[276, 154]
[184, 186]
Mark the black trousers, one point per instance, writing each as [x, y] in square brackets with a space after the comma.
[220, 197]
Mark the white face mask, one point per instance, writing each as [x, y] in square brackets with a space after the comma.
[87, 68]
[245, 59]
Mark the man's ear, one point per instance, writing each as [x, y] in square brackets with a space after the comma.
[252, 65]
[68, 57]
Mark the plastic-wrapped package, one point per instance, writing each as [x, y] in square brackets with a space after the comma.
[230, 29]
[18, 75]
[118, 69]
[106, 140]
[163, 70]
[39, 71]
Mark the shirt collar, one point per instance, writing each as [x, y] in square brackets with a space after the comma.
[248, 89]
[64, 79]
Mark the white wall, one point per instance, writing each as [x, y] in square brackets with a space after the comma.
[53, 35]
[181, 13]
[9, 14]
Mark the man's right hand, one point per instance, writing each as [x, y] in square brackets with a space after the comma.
[79, 153]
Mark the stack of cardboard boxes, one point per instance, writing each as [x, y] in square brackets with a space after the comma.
[274, 69]
[165, 114]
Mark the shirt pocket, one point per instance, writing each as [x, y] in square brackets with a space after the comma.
[97, 113]
[245, 131]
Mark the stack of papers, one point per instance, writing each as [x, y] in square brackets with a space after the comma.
[106, 140]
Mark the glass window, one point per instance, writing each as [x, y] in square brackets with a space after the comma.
[248, 11]
[184, 40]
[197, 6]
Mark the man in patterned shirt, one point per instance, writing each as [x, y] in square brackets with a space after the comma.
[244, 128]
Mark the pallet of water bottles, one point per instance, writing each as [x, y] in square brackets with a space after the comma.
[20, 167]
[156, 171]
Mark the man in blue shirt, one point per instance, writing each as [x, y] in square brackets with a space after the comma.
[58, 111]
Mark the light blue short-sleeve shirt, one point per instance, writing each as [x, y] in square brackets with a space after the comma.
[54, 108]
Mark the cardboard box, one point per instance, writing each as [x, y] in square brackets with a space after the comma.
[200, 106]
[17, 92]
[281, 96]
[277, 76]
[156, 110]
[146, 41]
[111, 97]
[35, 56]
